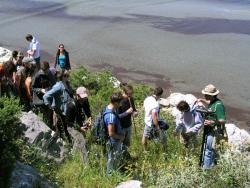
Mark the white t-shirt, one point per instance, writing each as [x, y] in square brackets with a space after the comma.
[35, 45]
[150, 105]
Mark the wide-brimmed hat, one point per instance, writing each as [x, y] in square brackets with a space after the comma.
[82, 92]
[210, 90]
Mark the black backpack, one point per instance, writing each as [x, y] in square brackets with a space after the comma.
[100, 129]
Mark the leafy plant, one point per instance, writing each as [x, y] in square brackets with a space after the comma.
[10, 134]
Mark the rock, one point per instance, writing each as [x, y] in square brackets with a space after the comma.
[130, 183]
[38, 133]
[116, 83]
[5, 55]
[164, 102]
[26, 176]
[190, 99]
[175, 98]
[238, 138]
[78, 143]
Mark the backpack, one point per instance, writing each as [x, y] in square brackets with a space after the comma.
[100, 130]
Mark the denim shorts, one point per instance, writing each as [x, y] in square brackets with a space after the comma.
[148, 130]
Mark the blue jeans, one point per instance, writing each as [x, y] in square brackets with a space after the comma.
[209, 156]
[114, 150]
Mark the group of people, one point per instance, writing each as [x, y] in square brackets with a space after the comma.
[189, 122]
[48, 90]
[45, 89]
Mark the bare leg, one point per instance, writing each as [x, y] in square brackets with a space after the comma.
[144, 142]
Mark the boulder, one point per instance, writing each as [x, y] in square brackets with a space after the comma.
[38, 133]
[116, 83]
[130, 183]
[5, 55]
[238, 138]
[26, 176]
[171, 102]
[164, 102]
[52, 146]
[175, 98]
[78, 143]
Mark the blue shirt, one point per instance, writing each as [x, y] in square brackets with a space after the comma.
[111, 118]
[62, 61]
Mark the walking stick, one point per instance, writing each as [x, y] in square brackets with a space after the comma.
[203, 146]
[133, 120]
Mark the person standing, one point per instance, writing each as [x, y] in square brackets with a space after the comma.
[213, 124]
[19, 60]
[115, 133]
[57, 99]
[62, 58]
[21, 76]
[127, 110]
[151, 119]
[42, 82]
[34, 50]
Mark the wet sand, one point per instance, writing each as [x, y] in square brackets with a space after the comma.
[182, 45]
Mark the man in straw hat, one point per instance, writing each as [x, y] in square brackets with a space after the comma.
[215, 124]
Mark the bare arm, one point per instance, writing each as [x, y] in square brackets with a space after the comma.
[155, 119]
[203, 101]
[31, 52]
[111, 132]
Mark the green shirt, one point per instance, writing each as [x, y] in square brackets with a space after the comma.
[218, 108]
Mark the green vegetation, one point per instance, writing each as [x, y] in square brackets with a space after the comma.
[176, 167]
[10, 133]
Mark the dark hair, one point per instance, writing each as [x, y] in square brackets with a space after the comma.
[14, 53]
[127, 88]
[116, 97]
[58, 51]
[29, 37]
[45, 65]
[158, 91]
[61, 45]
[182, 106]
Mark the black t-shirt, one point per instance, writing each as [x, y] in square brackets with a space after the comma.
[77, 110]
[125, 105]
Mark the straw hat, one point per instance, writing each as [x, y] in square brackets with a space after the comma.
[210, 90]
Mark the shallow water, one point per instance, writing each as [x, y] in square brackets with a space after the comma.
[188, 43]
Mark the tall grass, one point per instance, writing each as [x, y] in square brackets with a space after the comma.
[174, 167]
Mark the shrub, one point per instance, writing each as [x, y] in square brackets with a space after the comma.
[10, 132]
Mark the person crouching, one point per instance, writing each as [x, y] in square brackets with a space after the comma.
[188, 122]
